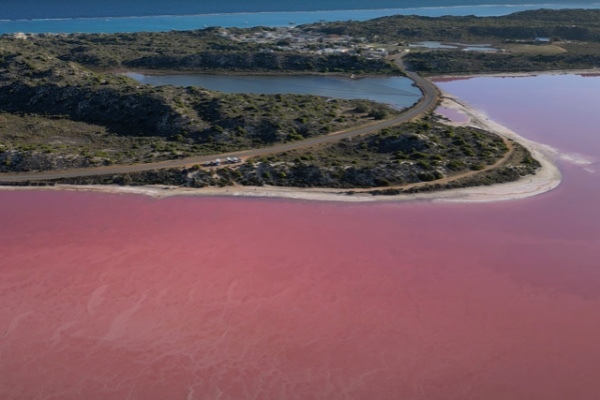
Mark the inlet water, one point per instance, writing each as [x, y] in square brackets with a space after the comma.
[396, 91]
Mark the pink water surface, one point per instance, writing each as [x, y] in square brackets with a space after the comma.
[559, 110]
[452, 114]
[118, 296]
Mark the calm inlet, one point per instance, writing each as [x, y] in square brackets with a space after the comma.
[396, 91]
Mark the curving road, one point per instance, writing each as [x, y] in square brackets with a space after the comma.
[427, 103]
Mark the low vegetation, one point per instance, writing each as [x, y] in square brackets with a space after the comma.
[454, 62]
[535, 40]
[409, 153]
[64, 105]
[58, 114]
[204, 50]
[422, 152]
[572, 25]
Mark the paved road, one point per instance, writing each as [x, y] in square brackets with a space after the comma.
[427, 103]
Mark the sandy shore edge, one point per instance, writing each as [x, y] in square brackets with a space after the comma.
[589, 71]
[547, 177]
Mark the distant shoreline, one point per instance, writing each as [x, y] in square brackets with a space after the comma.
[49, 13]
[583, 72]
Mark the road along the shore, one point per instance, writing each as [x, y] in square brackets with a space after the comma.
[426, 104]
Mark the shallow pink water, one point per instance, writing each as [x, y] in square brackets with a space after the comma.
[114, 296]
[559, 110]
[452, 114]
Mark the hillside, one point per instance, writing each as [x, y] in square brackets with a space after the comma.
[570, 40]
[62, 115]
[64, 103]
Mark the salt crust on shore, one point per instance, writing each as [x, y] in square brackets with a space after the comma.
[584, 72]
[547, 177]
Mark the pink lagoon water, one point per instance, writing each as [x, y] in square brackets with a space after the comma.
[452, 114]
[128, 297]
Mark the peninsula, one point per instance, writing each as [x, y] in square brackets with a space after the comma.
[71, 118]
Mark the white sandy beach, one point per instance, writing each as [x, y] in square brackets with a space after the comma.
[547, 177]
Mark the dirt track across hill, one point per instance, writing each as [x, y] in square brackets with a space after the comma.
[426, 104]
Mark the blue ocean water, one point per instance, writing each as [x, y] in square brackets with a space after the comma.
[66, 16]
[44, 9]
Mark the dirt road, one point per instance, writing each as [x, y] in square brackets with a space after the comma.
[427, 103]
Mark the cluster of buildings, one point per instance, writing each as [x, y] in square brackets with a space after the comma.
[295, 39]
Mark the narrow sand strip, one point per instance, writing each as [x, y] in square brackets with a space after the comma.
[584, 72]
[547, 178]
